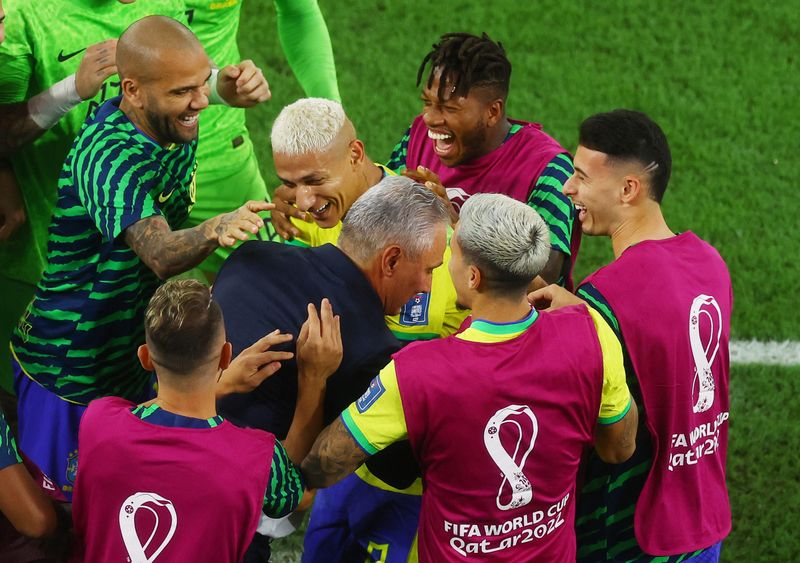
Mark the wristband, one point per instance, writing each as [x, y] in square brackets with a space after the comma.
[214, 97]
[46, 108]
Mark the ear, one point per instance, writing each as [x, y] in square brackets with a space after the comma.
[144, 358]
[390, 257]
[475, 278]
[132, 92]
[357, 153]
[226, 355]
[495, 112]
[631, 189]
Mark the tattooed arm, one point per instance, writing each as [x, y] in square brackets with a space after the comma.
[169, 252]
[334, 455]
[616, 442]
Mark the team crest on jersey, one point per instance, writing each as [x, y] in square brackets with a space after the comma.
[415, 312]
[372, 394]
[72, 466]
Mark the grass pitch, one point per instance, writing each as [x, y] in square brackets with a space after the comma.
[721, 78]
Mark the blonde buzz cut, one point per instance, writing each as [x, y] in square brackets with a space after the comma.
[308, 125]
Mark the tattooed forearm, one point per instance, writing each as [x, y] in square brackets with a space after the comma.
[168, 252]
[16, 127]
[334, 456]
[616, 442]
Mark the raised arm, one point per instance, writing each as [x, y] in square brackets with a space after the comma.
[319, 353]
[169, 252]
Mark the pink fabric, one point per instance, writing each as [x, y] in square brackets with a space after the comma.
[673, 301]
[512, 169]
[470, 410]
[196, 493]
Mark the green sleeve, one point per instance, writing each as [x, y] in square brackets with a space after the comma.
[548, 199]
[8, 448]
[397, 161]
[285, 487]
[307, 45]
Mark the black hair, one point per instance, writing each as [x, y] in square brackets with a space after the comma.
[628, 135]
[467, 61]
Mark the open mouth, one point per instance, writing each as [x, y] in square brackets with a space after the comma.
[321, 211]
[443, 141]
[581, 209]
[188, 120]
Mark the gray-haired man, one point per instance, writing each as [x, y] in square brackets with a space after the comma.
[392, 239]
[451, 399]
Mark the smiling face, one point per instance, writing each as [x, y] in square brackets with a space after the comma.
[458, 127]
[595, 191]
[173, 97]
[327, 183]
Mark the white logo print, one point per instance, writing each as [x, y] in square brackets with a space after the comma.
[127, 525]
[704, 308]
[521, 488]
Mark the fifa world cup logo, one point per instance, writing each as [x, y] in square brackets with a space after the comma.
[705, 314]
[511, 461]
[155, 505]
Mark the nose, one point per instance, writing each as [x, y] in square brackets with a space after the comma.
[304, 198]
[426, 284]
[200, 98]
[569, 186]
[432, 116]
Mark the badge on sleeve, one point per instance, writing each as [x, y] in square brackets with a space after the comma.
[372, 394]
[415, 312]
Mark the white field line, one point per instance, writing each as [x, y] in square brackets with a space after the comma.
[786, 353]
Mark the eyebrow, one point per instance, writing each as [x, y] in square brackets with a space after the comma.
[581, 170]
[180, 88]
[306, 178]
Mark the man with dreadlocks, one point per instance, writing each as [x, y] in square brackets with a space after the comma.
[464, 141]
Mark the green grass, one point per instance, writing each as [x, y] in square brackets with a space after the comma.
[722, 80]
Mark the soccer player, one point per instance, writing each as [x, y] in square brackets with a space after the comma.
[669, 299]
[174, 457]
[391, 241]
[498, 415]
[324, 168]
[229, 174]
[464, 143]
[125, 185]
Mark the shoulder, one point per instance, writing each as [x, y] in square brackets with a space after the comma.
[534, 134]
[101, 408]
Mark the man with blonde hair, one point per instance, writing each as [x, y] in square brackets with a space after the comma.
[324, 169]
[500, 472]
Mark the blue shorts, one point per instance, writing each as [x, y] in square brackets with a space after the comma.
[353, 522]
[710, 555]
[48, 430]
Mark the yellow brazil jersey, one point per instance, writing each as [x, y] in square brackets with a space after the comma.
[425, 316]
[384, 422]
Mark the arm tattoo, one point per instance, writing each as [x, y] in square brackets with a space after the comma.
[334, 456]
[16, 127]
[168, 252]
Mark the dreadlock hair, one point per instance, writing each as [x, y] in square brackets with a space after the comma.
[467, 61]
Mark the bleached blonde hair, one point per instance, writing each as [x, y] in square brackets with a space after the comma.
[306, 126]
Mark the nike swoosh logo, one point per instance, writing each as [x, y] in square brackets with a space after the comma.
[62, 57]
[162, 197]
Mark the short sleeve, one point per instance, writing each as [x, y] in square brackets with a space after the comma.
[285, 488]
[376, 420]
[114, 183]
[548, 199]
[616, 398]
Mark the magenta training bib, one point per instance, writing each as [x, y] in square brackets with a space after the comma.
[673, 301]
[498, 429]
[148, 493]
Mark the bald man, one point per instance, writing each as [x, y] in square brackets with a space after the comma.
[127, 182]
